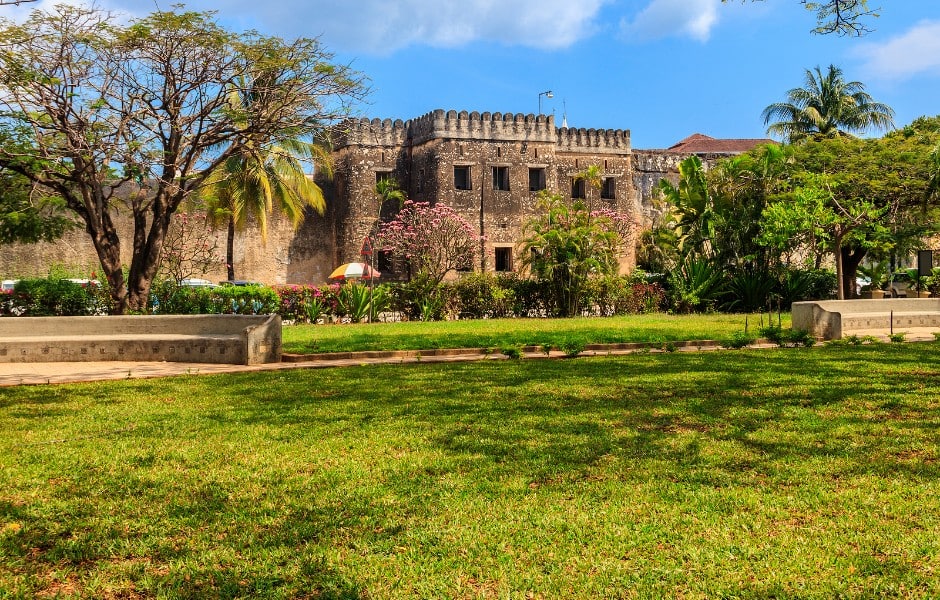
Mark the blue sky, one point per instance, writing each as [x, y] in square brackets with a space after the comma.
[663, 69]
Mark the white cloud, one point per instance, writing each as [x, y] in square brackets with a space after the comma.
[382, 26]
[914, 52]
[661, 18]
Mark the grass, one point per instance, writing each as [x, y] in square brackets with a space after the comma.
[779, 473]
[494, 333]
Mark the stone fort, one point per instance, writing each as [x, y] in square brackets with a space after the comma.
[490, 167]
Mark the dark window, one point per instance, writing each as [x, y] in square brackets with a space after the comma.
[501, 178]
[503, 259]
[384, 263]
[536, 180]
[462, 178]
[609, 188]
[577, 188]
[382, 175]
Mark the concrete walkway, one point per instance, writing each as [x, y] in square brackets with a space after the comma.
[12, 374]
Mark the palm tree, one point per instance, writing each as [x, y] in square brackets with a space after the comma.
[253, 183]
[264, 175]
[828, 105]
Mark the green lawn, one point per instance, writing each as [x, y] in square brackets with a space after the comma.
[495, 333]
[747, 474]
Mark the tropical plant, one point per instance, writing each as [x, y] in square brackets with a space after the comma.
[750, 291]
[828, 105]
[695, 286]
[565, 245]
[264, 175]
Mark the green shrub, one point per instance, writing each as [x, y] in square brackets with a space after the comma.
[572, 347]
[898, 337]
[773, 334]
[479, 295]
[171, 299]
[354, 300]
[739, 339]
[50, 297]
[750, 291]
[695, 286]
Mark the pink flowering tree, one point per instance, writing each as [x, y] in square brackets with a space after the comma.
[624, 225]
[431, 241]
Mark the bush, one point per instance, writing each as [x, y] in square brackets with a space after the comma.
[787, 337]
[305, 303]
[50, 297]
[482, 295]
[739, 339]
[171, 299]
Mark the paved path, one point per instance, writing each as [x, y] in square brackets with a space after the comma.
[69, 372]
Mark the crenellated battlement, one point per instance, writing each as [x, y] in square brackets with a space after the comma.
[481, 127]
[370, 132]
[597, 141]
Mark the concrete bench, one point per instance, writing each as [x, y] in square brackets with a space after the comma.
[230, 339]
[833, 319]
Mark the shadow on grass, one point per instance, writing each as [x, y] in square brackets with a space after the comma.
[359, 458]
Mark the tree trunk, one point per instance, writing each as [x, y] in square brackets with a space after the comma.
[851, 258]
[230, 249]
[840, 287]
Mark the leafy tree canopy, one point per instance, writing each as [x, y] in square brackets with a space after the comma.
[135, 118]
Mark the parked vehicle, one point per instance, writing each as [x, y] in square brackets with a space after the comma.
[200, 283]
[6, 287]
[239, 283]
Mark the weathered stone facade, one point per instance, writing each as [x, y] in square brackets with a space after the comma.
[488, 166]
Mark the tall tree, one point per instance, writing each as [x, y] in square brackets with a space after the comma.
[828, 106]
[135, 118]
[259, 180]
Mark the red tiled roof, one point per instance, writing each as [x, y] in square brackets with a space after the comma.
[703, 144]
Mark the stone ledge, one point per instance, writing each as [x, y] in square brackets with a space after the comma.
[221, 339]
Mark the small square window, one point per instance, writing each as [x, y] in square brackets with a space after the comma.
[609, 188]
[501, 179]
[462, 177]
[503, 259]
[536, 180]
[383, 176]
[577, 189]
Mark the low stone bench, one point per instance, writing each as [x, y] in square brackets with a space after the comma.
[230, 339]
[833, 319]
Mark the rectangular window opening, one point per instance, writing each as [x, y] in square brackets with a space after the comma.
[536, 180]
[501, 179]
[503, 259]
[609, 188]
[462, 177]
[577, 189]
[382, 175]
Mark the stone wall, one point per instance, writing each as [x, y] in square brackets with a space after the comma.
[421, 155]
